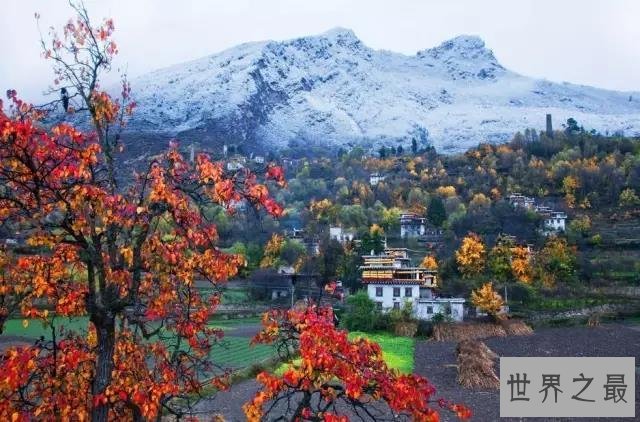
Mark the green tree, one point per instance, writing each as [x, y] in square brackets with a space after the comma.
[556, 262]
[348, 268]
[361, 312]
[436, 213]
[332, 253]
[373, 240]
[500, 259]
[629, 198]
[414, 146]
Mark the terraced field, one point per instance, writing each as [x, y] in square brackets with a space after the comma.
[233, 352]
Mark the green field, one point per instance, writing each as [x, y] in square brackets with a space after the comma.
[231, 352]
[35, 329]
[237, 353]
[234, 351]
[397, 351]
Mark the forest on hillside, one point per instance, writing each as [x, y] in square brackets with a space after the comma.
[593, 178]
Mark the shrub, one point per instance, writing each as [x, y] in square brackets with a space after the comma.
[361, 313]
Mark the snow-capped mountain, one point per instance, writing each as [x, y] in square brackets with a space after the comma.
[331, 89]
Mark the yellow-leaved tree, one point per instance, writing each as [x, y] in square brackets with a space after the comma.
[271, 255]
[471, 256]
[487, 299]
[521, 264]
[429, 262]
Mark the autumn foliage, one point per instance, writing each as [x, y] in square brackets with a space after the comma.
[429, 262]
[98, 251]
[471, 255]
[336, 378]
[487, 299]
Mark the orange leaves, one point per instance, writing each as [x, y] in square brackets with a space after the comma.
[337, 370]
[129, 257]
[521, 264]
[65, 396]
[429, 262]
[105, 109]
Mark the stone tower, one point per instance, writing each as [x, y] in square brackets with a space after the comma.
[549, 126]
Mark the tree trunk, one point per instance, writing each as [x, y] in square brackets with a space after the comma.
[105, 330]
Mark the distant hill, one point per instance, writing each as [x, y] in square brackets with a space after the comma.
[333, 90]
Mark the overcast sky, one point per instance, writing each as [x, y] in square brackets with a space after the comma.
[591, 42]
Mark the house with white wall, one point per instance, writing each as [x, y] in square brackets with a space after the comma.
[412, 225]
[552, 221]
[341, 235]
[375, 178]
[392, 281]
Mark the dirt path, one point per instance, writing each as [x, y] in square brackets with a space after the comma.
[437, 362]
[13, 341]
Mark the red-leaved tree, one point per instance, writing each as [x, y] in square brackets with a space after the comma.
[336, 378]
[125, 254]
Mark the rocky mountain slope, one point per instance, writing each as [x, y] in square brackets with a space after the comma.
[333, 90]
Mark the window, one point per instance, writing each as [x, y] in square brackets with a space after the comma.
[396, 292]
[429, 309]
[396, 305]
[378, 291]
[408, 291]
[379, 305]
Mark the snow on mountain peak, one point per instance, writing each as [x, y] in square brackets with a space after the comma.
[332, 89]
[340, 33]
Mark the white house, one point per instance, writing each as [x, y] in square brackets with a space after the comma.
[340, 235]
[412, 225]
[391, 281]
[555, 222]
[375, 178]
[519, 200]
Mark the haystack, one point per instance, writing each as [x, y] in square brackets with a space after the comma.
[516, 327]
[466, 330]
[480, 330]
[476, 366]
[594, 320]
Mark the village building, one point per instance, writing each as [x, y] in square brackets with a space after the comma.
[287, 286]
[340, 235]
[552, 221]
[519, 200]
[375, 178]
[392, 281]
[432, 237]
[258, 159]
[236, 163]
[412, 225]
[310, 243]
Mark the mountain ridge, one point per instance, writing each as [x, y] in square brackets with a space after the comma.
[331, 89]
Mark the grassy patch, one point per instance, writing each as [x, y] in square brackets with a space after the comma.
[237, 353]
[35, 329]
[230, 324]
[397, 351]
